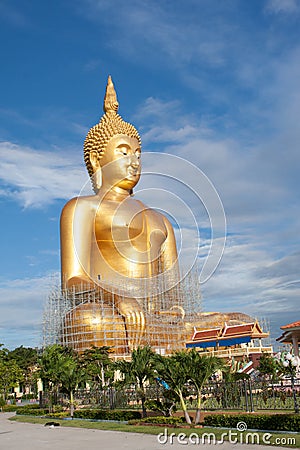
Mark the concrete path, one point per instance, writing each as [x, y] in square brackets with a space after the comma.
[26, 436]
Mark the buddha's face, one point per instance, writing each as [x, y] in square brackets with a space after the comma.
[120, 163]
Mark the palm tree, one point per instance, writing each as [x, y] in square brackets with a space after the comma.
[60, 367]
[174, 370]
[98, 365]
[49, 369]
[70, 375]
[138, 371]
[201, 368]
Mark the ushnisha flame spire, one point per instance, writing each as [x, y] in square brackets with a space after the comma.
[110, 104]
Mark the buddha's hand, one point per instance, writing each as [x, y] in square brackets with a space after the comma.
[134, 317]
[175, 314]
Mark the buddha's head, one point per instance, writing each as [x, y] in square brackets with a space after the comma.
[113, 144]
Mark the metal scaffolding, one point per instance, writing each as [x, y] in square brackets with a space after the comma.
[85, 317]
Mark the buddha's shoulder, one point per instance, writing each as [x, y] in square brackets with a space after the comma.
[153, 214]
[85, 203]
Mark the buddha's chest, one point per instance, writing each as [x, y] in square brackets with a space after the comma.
[129, 222]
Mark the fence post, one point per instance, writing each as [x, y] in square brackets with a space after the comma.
[296, 406]
[225, 395]
[112, 402]
[246, 396]
[251, 396]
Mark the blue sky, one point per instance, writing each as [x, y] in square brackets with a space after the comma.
[213, 82]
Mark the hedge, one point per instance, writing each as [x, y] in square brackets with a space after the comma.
[274, 422]
[102, 414]
[35, 410]
[22, 411]
[9, 408]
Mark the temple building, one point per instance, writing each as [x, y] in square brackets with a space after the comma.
[242, 343]
[291, 335]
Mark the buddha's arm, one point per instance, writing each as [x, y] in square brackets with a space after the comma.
[170, 266]
[75, 235]
[169, 257]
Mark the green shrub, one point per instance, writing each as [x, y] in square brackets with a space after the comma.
[29, 406]
[103, 414]
[9, 408]
[163, 407]
[160, 420]
[23, 410]
[274, 422]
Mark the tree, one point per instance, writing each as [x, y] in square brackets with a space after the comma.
[71, 373]
[98, 365]
[60, 367]
[26, 358]
[10, 373]
[268, 366]
[174, 370]
[138, 371]
[201, 369]
[49, 369]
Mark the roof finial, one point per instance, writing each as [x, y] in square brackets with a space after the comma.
[111, 104]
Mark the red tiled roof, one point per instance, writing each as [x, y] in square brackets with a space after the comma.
[213, 333]
[252, 330]
[238, 329]
[291, 325]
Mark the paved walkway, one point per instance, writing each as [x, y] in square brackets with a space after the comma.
[26, 436]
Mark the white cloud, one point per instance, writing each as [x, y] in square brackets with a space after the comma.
[197, 35]
[282, 6]
[37, 178]
[22, 304]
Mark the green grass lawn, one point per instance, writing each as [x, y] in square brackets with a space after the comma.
[278, 439]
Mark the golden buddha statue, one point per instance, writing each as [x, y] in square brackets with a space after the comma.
[114, 246]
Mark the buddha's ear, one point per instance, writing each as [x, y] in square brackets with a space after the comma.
[97, 180]
[95, 160]
[97, 176]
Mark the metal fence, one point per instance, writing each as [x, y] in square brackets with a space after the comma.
[248, 395]
[243, 395]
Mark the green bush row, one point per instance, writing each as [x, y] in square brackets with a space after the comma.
[23, 410]
[35, 410]
[280, 422]
[29, 406]
[9, 408]
[102, 414]
[159, 419]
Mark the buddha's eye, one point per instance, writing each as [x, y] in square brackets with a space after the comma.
[138, 155]
[123, 151]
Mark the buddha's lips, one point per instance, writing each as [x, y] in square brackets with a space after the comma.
[132, 172]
